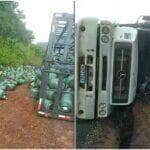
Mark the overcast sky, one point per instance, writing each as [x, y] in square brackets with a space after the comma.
[39, 12]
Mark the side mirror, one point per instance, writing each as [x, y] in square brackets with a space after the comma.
[144, 22]
[146, 18]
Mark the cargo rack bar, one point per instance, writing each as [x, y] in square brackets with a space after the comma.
[61, 38]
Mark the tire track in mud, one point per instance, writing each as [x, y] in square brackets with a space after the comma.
[127, 127]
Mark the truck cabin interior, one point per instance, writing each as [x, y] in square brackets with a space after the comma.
[144, 56]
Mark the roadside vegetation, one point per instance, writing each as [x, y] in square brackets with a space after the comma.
[16, 46]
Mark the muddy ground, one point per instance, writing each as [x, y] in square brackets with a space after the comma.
[96, 134]
[141, 136]
[126, 127]
[20, 127]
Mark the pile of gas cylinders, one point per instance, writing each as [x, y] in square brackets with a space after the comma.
[51, 93]
[10, 77]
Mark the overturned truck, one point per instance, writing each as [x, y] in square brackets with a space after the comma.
[56, 98]
[111, 64]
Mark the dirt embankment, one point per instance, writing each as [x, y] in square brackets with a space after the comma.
[141, 136]
[20, 127]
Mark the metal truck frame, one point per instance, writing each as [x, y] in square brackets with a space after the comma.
[61, 41]
[85, 77]
[100, 66]
[105, 56]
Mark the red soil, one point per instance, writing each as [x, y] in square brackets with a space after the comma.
[20, 127]
[141, 137]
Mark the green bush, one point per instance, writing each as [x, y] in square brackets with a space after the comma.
[14, 53]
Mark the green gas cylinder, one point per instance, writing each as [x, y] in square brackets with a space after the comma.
[50, 94]
[66, 103]
[69, 81]
[47, 104]
[2, 94]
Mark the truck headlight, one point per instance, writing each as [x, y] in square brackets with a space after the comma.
[105, 30]
[105, 39]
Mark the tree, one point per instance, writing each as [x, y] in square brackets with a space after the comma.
[15, 40]
[11, 23]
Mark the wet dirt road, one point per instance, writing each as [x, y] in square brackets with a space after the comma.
[20, 127]
[96, 134]
[141, 136]
[127, 127]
